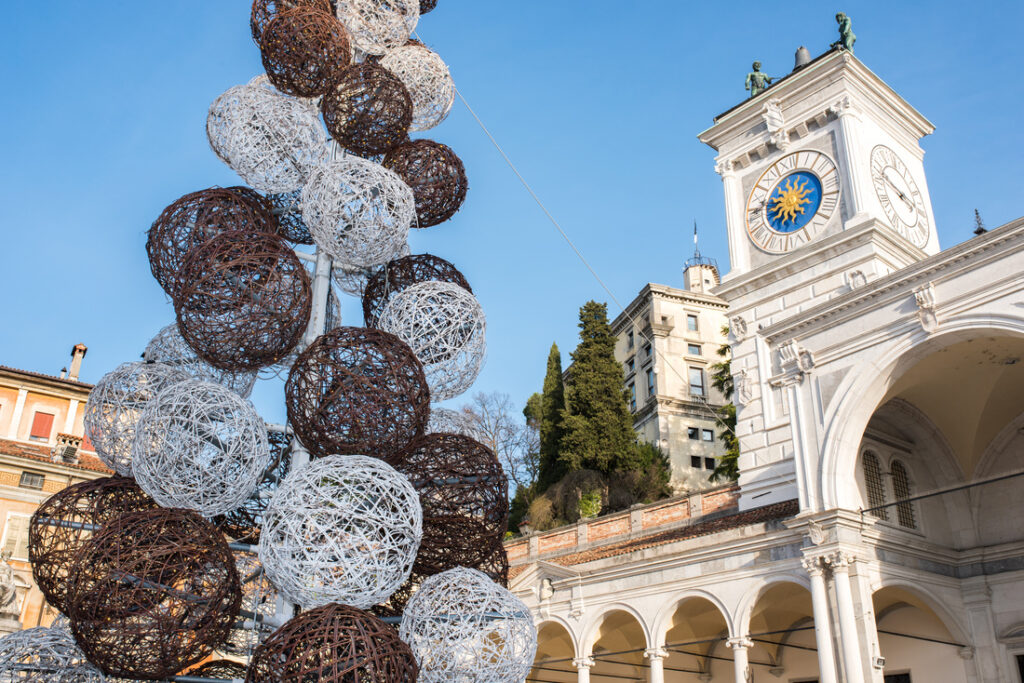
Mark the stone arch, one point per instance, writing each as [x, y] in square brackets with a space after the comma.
[592, 630]
[745, 608]
[663, 619]
[935, 603]
[557, 621]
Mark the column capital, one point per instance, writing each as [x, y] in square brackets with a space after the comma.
[815, 566]
[725, 168]
[841, 560]
[740, 643]
[583, 662]
[655, 653]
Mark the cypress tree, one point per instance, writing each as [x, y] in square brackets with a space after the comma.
[551, 409]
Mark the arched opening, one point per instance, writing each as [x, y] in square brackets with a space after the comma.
[781, 628]
[695, 637]
[618, 645]
[555, 653]
[914, 640]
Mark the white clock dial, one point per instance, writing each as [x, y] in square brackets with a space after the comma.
[899, 195]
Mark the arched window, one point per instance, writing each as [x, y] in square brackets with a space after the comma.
[873, 484]
[901, 490]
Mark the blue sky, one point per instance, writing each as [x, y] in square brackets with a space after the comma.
[597, 102]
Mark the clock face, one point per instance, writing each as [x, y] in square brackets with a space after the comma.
[792, 201]
[901, 200]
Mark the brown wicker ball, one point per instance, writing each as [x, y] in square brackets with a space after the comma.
[367, 110]
[193, 219]
[221, 668]
[304, 49]
[427, 6]
[334, 644]
[289, 217]
[263, 11]
[244, 302]
[62, 525]
[357, 391]
[401, 274]
[436, 176]
[243, 525]
[152, 593]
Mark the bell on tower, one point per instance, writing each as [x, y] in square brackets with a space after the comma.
[701, 273]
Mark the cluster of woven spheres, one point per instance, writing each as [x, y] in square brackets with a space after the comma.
[426, 77]
[358, 211]
[402, 273]
[451, 422]
[62, 525]
[193, 219]
[356, 390]
[221, 669]
[367, 109]
[445, 327]
[303, 49]
[376, 27]
[152, 593]
[244, 302]
[243, 523]
[199, 445]
[45, 655]
[462, 626]
[271, 140]
[341, 529]
[333, 644]
[168, 347]
[290, 224]
[258, 597]
[115, 404]
[263, 11]
[354, 280]
[435, 175]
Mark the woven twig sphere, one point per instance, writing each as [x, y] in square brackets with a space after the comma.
[193, 219]
[344, 528]
[333, 644]
[244, 523]
[376, 26]
[367, 109]
[46, 655]
[271, 140]
[427, 6]
[445, 327]
[358, 211]
[245, 301]
[353, 281]
[168, 347]
[355, 390]
[259, 596]
[289, 217]
[56, 535]
[402, 273]
[426, 77]
[463, 627]
[152, 593]
[199, 445]
[263, 11]
[303, 51]
[115, 404]
[435, 175]
[450, 421]
[219, 669]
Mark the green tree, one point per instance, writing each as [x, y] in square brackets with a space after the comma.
[598, 425]
[728, 468]
[550, 409]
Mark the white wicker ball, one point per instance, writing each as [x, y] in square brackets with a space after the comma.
[451, 422]
[358, 211]
[169, 348]
[376, 26]
[201, 446]
[464, 628]
[345, 528]
[115, 404]
[426, 77]
[353, 280]
[271, 140]
[45, 655]
[445, 327]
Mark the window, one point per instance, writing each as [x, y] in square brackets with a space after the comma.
[16, 536]
[873, 484]
[693, 433]
[696, 382]
[695, 462]
[709, 463]
[693, 349]
[901, 490]
[31, 480]
[897, 678]
[707, 435]
[629, 340]
[647, 350]
[632, 397]
[630, 366]
[42, 425]
[650, 383]
[691, 322]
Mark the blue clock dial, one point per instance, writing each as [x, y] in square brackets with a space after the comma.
[794, 201]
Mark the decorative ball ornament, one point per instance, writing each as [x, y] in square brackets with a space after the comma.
[303, 50]
[426, 77]
[402, 273]
[289, 217]
[62, 525]
[221, 669]
[168, 347]
[271, 140]
[344, 528]
[358, 211]
[435, 175]
[245, 301]
[114, 407]
[427, 6]
[451, 422]
[243, 524]
[45, 655]
[199, 445]
[353, 281]
[263, 11]
[367, 109]
[445, 327]
[463, 627]
[355, 390]
[375, 26]
[152, 593]
[333, 644]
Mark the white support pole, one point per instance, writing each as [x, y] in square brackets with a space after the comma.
[740, 659]
[656, 658]
[583, 665]
[847, 618]
[822, 625]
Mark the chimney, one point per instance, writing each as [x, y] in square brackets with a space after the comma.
[63, 373]
[77, 354]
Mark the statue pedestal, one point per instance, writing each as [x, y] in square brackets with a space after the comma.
[9, 624]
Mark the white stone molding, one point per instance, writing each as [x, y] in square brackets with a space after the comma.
[924, 297]
[855, 279]
[583, 663]
[844, 106]
[776, 123]
[738, 327]
[814, 566]
[816, 532]
[966, 652]
[656, 653]
[742, 391]
[796, 361]
[725, 168]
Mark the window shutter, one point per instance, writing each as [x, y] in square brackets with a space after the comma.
[16, 541]
[42, 424]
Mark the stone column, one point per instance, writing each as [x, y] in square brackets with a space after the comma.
[822, 624]
[849, 126]
[735, 220]
[740, 661]
[656, 657]
[583, 665]
[848, 635]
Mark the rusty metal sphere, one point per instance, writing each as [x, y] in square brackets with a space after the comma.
[244, 523]
[357, 391]
[303, 50]
[220, 669]
[62, 525]
[245, 300]
[402, 273]
[436, 176]
[367, 109]
[152, 593]
[291, 225]
[263, 11]
[333, 644]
